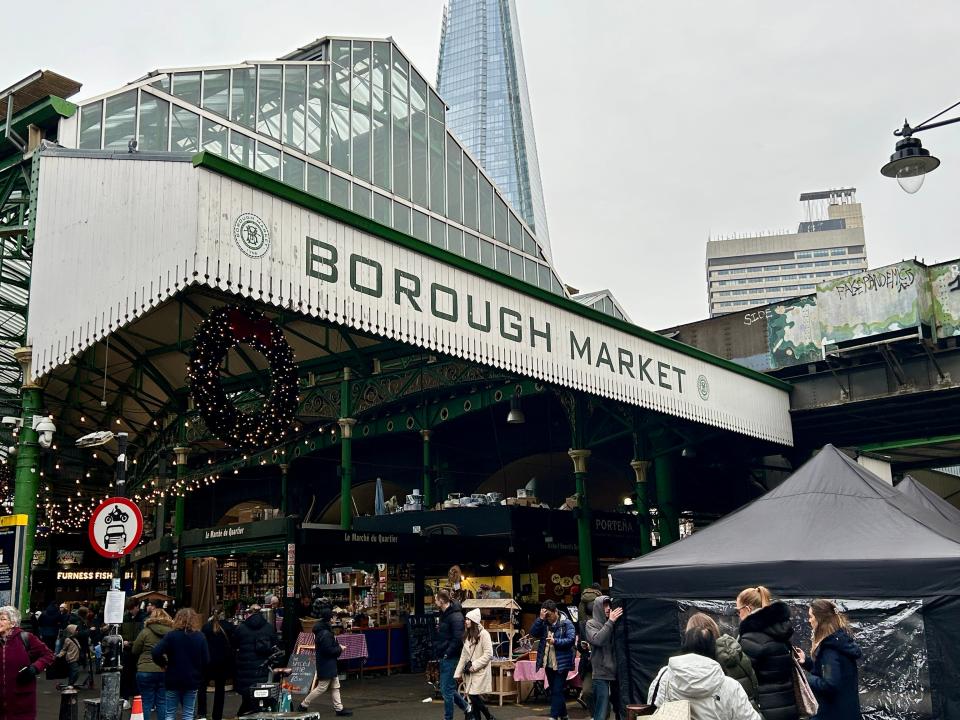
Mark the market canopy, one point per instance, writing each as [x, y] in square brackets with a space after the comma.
[833, 528]
[922, 495]
[127, 233]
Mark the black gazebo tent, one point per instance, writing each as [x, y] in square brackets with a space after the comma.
[833, 529]
[922, 495]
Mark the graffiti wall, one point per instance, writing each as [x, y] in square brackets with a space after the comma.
[793, 332]
[945, 296]
[874, 302]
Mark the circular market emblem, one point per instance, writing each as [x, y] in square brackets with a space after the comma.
[251, 235]
[703, 387]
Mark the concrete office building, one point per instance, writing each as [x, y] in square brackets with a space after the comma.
[744, 272]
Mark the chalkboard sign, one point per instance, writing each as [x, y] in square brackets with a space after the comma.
[421, 630]
[303, 666]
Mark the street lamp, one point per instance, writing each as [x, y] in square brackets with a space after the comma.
[910, 161]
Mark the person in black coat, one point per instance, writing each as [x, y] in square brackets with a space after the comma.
[50, 625]
[447, 648]
[765, 632]
[327, 651]
[832, 665]
[253, 642]
[218, 633]
[183, 654]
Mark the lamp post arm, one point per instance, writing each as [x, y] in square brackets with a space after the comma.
[907, 131]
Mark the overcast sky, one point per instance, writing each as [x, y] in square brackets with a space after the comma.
[658, 124]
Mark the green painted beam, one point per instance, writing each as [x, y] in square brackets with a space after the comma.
[912, 443]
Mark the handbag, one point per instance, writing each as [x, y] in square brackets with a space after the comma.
[807, 704]
[672, 709]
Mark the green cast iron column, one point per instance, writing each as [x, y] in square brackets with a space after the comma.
[181, 453]
[283, 488]
[346, 452]
[579, 458]
[669, 520]
[427, 494]
[27, 479]
[641, 468]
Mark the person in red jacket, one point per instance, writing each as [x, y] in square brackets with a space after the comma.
[23, 656]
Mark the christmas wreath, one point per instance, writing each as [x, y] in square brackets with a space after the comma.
[225, 328]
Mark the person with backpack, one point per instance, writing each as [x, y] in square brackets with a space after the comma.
[327, 652]
[70, 652]
[218, 633]
[23, 656]
[254, 641]
[150, 676]
[183, 654]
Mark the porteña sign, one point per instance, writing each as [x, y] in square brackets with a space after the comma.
[115, 527]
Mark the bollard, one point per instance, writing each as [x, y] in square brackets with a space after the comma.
[69, 707]
[91, 709]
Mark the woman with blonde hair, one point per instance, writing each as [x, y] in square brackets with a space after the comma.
[765, 632]
[149, 674]
[183, 654]
[832, 665]
[474, 665]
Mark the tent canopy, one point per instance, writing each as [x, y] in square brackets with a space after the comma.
[922, 495]
[833, 529]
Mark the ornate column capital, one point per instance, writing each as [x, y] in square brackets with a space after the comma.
[24, 358]
[425, 434]
[641, 468]
[346, 427]
[579, 458]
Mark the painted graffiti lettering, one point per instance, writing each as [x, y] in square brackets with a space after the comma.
[894, 278]
[757, 315]
[954, 284]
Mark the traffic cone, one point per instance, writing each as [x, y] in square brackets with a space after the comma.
[136, 712]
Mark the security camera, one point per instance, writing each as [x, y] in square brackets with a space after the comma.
[45, 429]
[10, 420]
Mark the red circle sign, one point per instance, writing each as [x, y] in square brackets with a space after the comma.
[115, 527]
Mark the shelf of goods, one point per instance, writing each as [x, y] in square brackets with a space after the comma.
[236, 580]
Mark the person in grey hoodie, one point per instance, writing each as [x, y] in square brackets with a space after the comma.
[696, 677]
[599, 633]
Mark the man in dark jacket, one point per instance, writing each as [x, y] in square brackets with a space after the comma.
[253, 642]
[765, 637]
[50, 625]
[555, 653]
[327, 651]
[599, 632]
[447, 649]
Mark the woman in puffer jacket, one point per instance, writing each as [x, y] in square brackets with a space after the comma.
[730, 655]
[696, 677]
[765, 632]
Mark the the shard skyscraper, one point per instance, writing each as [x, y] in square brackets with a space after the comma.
[481, 77]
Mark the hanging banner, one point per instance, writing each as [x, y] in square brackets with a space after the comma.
[197, 226]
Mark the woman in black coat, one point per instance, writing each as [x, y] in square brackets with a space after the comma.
[832, 665]
[253, 642]
[218, 634]
[327, 652]
[765, 632]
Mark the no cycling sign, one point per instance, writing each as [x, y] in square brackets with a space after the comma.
[115, 527]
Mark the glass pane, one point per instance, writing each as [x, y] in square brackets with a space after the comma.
[243, 97]
[121, 120]
[382, 164]
[381, 209]
[516, 266]
[529, 244]
[469, 194]
[530, 271]
[91, 117]
[268, 160]
[455, 240]
[339, 190]
[293, 171]
[317, 113]
[421, 226]
[471, 247]
[185, 131]
[216, 91]
[486, 207]
[214, 138]
[162, 84]
[503, 259]
[361, 111]
[438, 190]
[555, 285]
[438, 233]
[154, 114]
[186, 85]
[317, 179]
[516, 234]
[340, 115]
[400, 111]
[362, 201]
[295, 106]
[454, 165]
[401, 217]
[486, 253]
[418, 131]
[271, 87]
[241, 148]
[436, 106]
[543, 273]
[500, 219]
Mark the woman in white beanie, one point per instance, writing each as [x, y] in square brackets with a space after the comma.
[474, 665]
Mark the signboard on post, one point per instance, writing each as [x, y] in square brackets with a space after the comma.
[115, 527]
[12, 531]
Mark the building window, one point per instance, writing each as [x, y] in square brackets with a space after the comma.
[268, 161]
[803, 254]
[154, 115]
[214, 137]
[293, 169]
[186, 86]
[243, 97]
[120, 123]
[838, 251]
[185, 131]
[91, 118]
[317, 181]
[216, 91]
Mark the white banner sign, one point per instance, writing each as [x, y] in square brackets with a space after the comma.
[125, 235]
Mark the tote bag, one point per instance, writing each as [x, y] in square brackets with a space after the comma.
[807, 704]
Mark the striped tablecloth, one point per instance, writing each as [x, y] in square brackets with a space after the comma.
[355, 644]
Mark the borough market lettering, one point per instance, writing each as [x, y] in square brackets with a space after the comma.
[366, 277]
